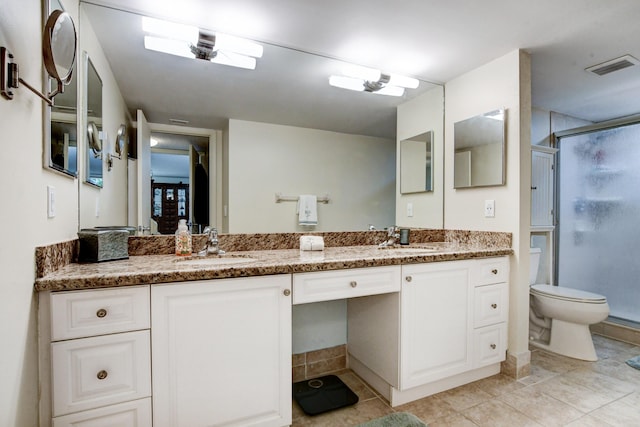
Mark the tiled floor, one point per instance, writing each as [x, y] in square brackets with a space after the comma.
[560, 392]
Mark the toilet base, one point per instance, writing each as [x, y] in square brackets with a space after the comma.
[569, 339]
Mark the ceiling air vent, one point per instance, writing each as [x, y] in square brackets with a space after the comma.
[613, 65]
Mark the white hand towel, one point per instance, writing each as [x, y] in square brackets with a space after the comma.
[308, 209]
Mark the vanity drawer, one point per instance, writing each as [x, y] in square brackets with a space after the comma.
[87, 313]
[490, 270]
[340, 284]
[93, 372]
[128, 414]
[491, 304]
[490, 345]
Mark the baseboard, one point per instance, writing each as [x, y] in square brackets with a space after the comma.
[616, 331]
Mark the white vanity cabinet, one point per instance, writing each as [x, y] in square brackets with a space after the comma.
[222, 352]
[451, 321]
[97, 370]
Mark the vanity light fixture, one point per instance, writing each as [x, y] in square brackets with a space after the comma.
[365, 79]
[191, 42]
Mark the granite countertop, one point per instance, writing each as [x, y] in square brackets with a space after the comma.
[152, 269]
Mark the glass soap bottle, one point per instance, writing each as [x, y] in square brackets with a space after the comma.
[183, 239]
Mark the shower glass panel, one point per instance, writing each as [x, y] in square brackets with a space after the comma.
[598, 201]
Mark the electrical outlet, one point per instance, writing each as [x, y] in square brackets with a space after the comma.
[409, 209]
[489, 208]
[51, 201]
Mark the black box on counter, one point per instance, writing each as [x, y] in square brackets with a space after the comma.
[99, 244]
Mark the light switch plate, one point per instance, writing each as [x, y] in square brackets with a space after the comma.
[409, 209]
[51, 201]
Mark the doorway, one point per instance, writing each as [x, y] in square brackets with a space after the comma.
[179, 181]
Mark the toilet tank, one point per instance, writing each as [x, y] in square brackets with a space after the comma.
[534, 262]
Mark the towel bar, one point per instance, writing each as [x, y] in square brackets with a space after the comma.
[281, 198]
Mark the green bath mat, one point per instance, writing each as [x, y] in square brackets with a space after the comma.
[398, 419]
[634, 362]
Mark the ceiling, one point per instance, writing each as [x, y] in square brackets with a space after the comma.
[432, 40]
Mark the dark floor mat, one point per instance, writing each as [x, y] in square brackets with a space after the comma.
[323, 394]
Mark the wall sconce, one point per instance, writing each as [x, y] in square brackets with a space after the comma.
[191, 42]
[364, 79]
[59, 53]
[121, 138]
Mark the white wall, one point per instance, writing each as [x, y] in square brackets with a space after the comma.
[503, 83]
[415, 117]
[106, 205]
[24, 213]
[357, 172]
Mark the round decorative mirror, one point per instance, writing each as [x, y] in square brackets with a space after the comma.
[121, 138]
[94, 139]
[59, 47]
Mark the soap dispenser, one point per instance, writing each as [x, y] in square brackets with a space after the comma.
[183, 239]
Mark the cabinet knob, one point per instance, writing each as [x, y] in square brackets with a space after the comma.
[493, 346]
[494, 305]
[494, 271]
[408, 278]
[534, 188]
[102, 375]
[101, 313]
[286, 292]
[353, 283]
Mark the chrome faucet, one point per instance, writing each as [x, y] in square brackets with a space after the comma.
[212, 245]
[393, 234]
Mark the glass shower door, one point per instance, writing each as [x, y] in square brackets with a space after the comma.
[598, 228]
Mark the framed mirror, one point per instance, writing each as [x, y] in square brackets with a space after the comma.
[61, 119]
[479, 145]
[93, 121]
[416, 170]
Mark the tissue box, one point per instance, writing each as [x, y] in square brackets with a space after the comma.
[98, 245]
[311, 243]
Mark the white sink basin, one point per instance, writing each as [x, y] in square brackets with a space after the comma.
[215, 260]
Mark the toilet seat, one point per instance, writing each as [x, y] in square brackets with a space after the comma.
[567, 294]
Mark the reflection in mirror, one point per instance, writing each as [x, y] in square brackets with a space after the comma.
[179, 181]
[61, 143]
[269, 95]
[93, 114]
[479, 150]
[416, 169]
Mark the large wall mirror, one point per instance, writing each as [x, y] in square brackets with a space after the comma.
[213, 93]
[61, 136]
[416, 169]
[93, 121]
[479, 150]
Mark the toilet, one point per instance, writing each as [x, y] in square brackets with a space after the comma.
[559, 317]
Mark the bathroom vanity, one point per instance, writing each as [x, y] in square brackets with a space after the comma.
[183, 342]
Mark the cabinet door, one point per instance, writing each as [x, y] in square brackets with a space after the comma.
[436, 322]
[541, 188]
[221, 352]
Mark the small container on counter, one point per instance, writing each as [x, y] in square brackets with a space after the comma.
[183, 239]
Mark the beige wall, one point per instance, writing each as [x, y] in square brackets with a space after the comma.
[24, 213]
[503, 83]
[110, 201]
[415, 117]
[357, 172]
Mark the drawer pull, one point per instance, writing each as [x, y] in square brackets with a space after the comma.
[286, 292]
[353, 283]
[494, 305]
[493, 346]
[494, 271]
[408, 278]
[102, 375]
[101, 313]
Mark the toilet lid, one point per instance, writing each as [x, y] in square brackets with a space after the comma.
[568, 294]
